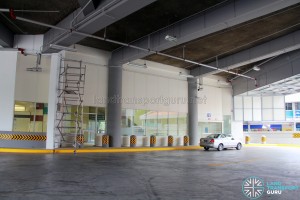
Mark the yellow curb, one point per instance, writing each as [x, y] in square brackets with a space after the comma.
[97, 150]
[273, 145]
[35, 151]
[126, 150]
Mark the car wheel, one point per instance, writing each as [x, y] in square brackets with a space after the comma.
[206, 148]
[220, 147]
[239, 146]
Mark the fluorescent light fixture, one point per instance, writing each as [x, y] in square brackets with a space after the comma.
[58, 47]
[19, 108]
[144, 66]
[186, 75]
[34, 69]
[171, 38]
[256, 68]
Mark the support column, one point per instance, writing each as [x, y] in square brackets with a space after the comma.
[114, 106]
[52, 98]
[193, 111]
[7, 89]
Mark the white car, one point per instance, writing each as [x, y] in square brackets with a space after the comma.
[220, 141]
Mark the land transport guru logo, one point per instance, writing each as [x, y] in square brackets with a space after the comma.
[254, 187]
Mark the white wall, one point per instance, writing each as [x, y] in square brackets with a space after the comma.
[273, 138]
[292, 98]
[159, 87]
[237, 130]
[32, 86]
[153, 92]
[31, 43]
[259, 108]
[159, 83]
[96, 62]
[217, 100]
[212, 104]
[227, 101]
[7, 89]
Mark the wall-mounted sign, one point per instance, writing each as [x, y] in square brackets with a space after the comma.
[297, 114]
[289, 114]
[208, 115]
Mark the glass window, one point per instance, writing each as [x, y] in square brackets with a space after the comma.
[182, 124]
[101, 120]
[127, 122]
[151, 123]
[245, 128]
[30, 117]
[288, 106]
[297, 126]
[139, 122]
[173, 123]
[297, 106]
[162, 123]
[210, 127]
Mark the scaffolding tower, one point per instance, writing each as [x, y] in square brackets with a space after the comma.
[69, 115]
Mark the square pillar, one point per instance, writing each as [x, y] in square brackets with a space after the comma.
[52, 98]
[7, 89]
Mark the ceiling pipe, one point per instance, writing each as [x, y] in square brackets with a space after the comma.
[97, 13]
[129, 45]
[256, 66]
[71, 24]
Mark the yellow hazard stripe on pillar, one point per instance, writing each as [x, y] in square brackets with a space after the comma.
[4, 136]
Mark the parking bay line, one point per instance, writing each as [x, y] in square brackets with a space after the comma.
[235, 162]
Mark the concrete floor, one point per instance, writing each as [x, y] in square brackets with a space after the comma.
[156, 175]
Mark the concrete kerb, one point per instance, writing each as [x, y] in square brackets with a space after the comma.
[126, 150]
[96, 150]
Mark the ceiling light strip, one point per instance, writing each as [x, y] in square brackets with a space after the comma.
[131, 46]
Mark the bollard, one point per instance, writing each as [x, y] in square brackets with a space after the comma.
[132, 141]
[186, 140]
[126, 141]
[80, 140]
[263, 139]
[152, 141]
[170, 140]
[98, 140]
[105, 141]
[247, 140]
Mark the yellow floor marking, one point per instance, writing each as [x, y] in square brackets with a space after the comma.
[128, 149]
[39, 151]
[273, 145]
[98, 150]
[235, 162]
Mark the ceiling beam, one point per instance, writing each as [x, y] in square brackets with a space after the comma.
[276, 47]
[279, 68]
[88, 6]
[220, 17]
[6, 36]
[108, 12]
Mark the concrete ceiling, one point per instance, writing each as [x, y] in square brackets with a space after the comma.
[151, 18]
[232, 40]
[64, 7]
[158, 15]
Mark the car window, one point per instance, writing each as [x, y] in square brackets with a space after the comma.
[223, 136]
[213, 136]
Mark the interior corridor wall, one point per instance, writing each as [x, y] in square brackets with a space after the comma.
[154, 92]
[96, 62]
[214, 100]
[32, 86]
